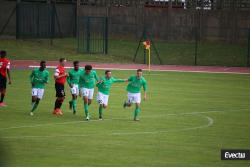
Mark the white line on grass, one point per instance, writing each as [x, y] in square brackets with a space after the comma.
[156, 116]
[209, 123]
[209, 120]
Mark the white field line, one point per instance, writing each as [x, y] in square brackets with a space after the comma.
[209, 123]
[76, 122]
[132, 69]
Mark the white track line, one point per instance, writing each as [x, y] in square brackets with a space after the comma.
[130, 69]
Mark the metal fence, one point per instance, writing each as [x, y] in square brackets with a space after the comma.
[92, 35]
[35, 20]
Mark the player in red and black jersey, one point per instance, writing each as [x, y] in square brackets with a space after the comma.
[4, 72]
[60, 76]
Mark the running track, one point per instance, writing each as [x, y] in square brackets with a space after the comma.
[25, 64]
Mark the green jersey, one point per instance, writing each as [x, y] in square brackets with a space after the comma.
[136, 83]
[39, 78]
[88, 80]
[74, 76]
[105, 85]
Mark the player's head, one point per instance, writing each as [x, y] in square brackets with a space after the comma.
[76, 65]
[3, 53]
[88, 68]
[139, 73]
[108, 74]
[42, 64]
[62, 61]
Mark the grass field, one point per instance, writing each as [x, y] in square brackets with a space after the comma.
[187, 119]
[122, 51]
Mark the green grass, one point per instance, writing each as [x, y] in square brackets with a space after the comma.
[122, 51]
[165, 135]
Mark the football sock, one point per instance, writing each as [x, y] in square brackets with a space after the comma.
[100, 111]
[34, 106]
[86, 109]
[137, 111]
[2, 97]
[74, 104]
[58, 104]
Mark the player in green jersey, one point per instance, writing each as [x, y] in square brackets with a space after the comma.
[134, 92]
[38, 78]
[73, 81]
[87, 83]
[103, 90]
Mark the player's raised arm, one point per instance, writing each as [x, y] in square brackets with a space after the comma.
[57, 75]
[119, 80]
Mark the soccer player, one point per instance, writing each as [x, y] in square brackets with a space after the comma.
[73, 81]
[103, 90]
[134, 89]
[87, 84]
[38, 78]
[60, 76]
[4, 72]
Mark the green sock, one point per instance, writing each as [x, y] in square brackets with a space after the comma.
[86, 109]
[137, 111]
[100, 111]
[34, 106]
[74, 104]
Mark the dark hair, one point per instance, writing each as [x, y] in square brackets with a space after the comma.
[42, 62]
[139, 70]
[88, 67]
[3, 53]
[107, 71]
[75, 62]
[61, 59]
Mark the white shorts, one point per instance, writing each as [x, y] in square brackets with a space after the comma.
[37, 92]
[102, 98]
[85, 92]
[74, 90]
[134, 97]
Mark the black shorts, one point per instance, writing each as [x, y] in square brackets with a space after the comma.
[3, 81]
[59, 90]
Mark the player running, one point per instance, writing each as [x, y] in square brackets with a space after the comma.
[87, 83]
[134, 95]
[4, 72]
[60, 76]
[38, 78]
[103, 90]
[73, 81]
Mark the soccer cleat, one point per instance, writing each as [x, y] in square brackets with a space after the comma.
[125, 104]
[54, 112]
[59, 111]
[87, 118]
[136, 119]
[70, 105]
[31, 113]
[74, 112]
[100, 118]
[2, 104]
